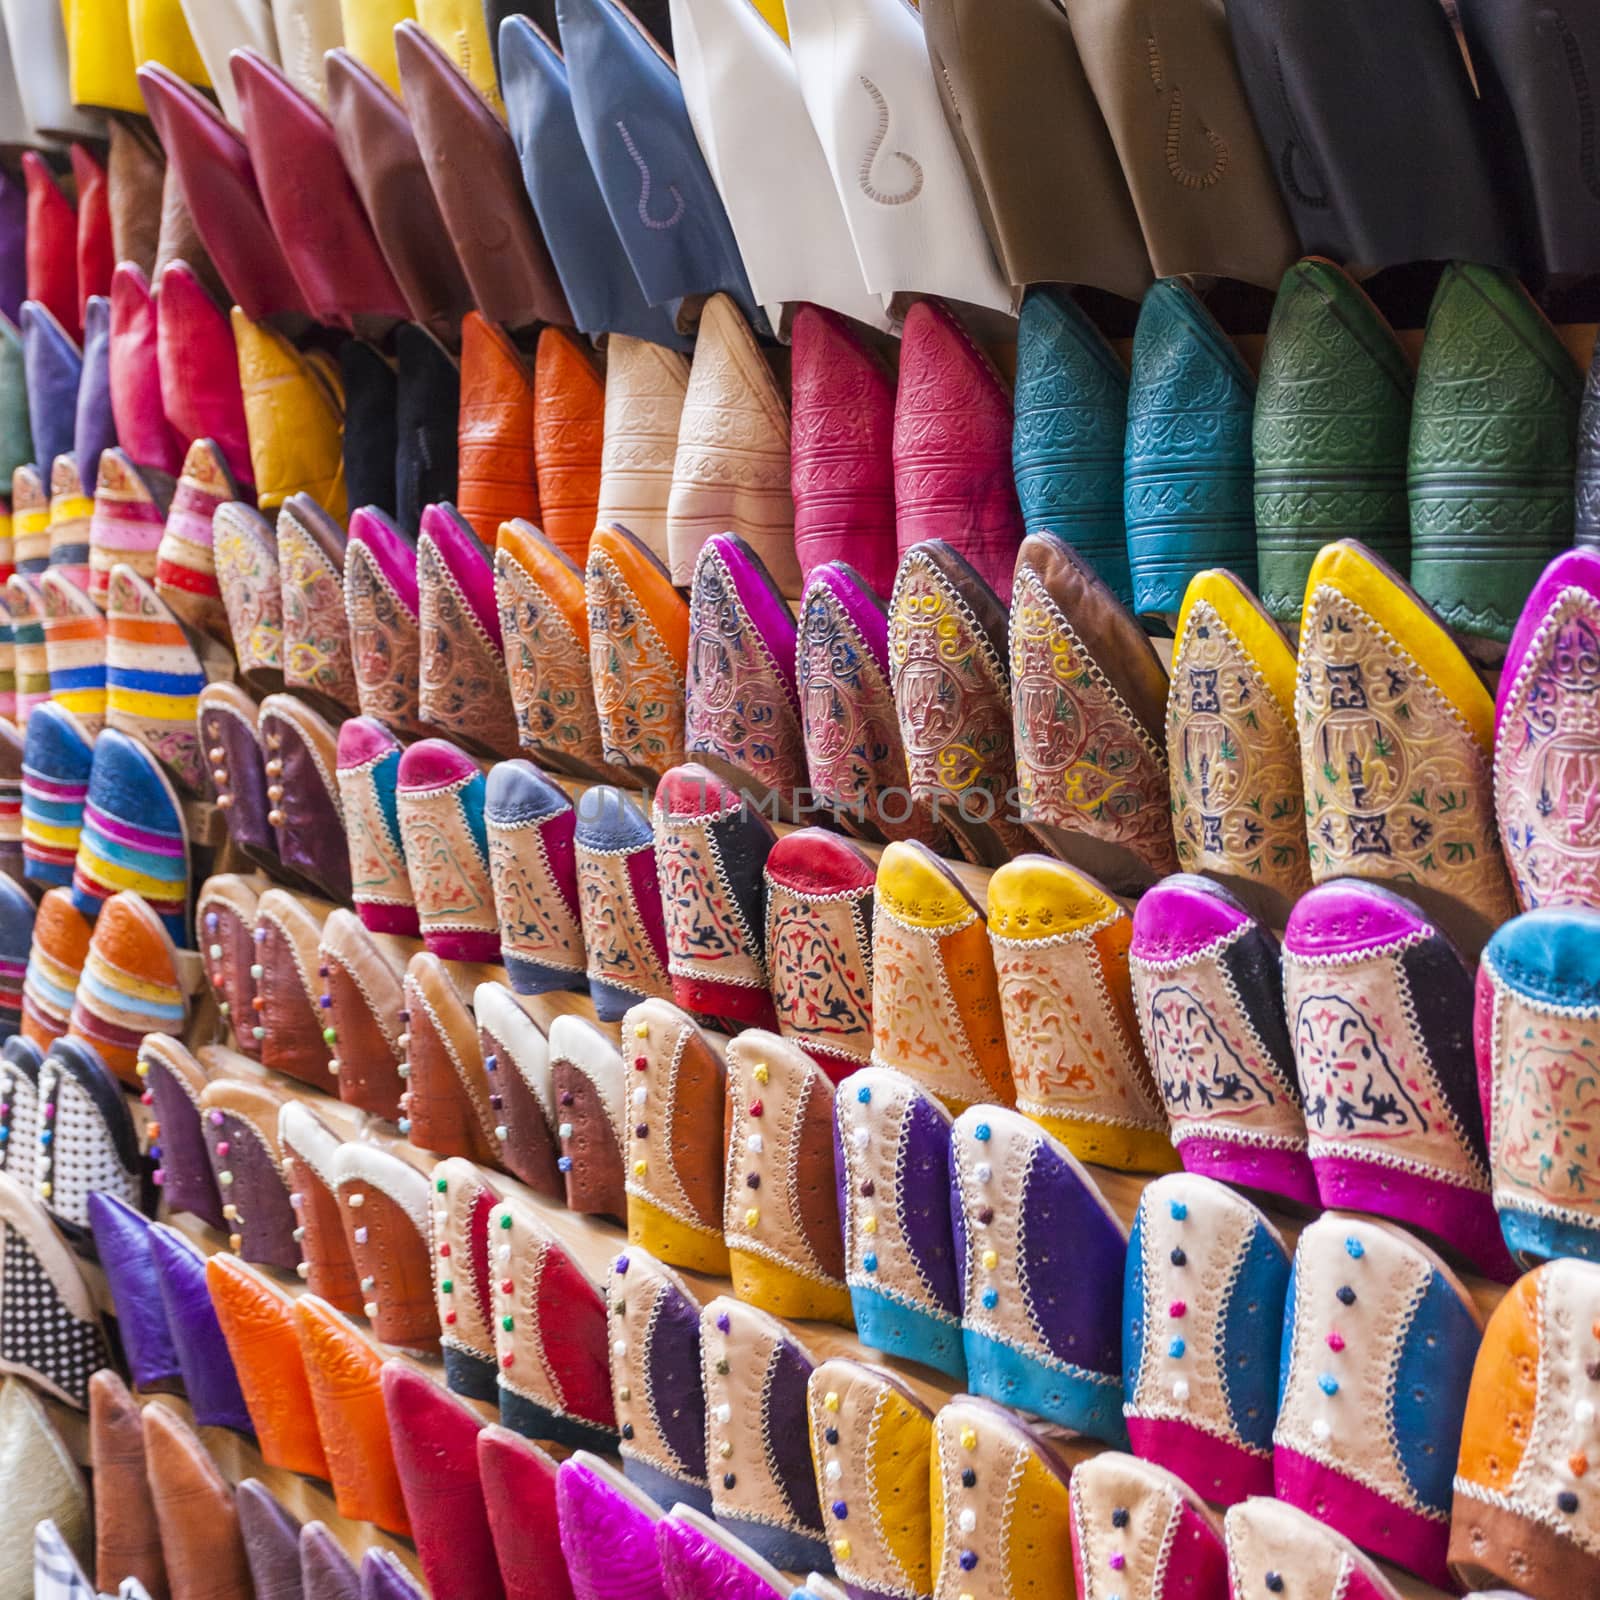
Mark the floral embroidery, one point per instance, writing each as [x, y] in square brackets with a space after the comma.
[638, 687]
[620, 949]
[385, 646]
[708, 935]
[536, 923]
[316, 632]
[820, 955]
[463, 685]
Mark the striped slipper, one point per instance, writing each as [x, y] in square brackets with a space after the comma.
[30, 519]
[25, 602]
[125, 522]
[55, 965]
[74, 649]
[57, 759]
[130, 984]
[186, 568]
[71, 511]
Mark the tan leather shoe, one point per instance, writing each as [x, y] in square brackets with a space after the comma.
[194, 1508]
[127, 1543]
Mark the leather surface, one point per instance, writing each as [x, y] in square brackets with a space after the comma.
[307, 30]
[136, 407]
[227, 722]
[369, 38]
[427, 421]
[324, 1567]
[316, 634]
[1266, 1536]
[597, 1512]
[384, 1202]
[220, 29]
[1333, 164]
[473, 167]
[16, 941]
[136, 169]
[300, 750]
[126, 522]
[57, 759]
[55, 1562]
[271, 1542]
[211, 165]
[371, 389]
[596, 275]
[463, 1275]
[1475, 556]
[287, 934]
[16, 431]
[195, 1511]
[161, 33]
[127, 1543]
[54, 365]
[101, 61]
[1333, 373]
[245, 553]
[363, 986]
[209, 1381]
[1035, 146]
[499, 480]
[36, 34]
[523, 1094]
[732, 468]
[122, 1239]
[96, 251]
[619, 898]
[446, 1103]
[645, 388]
[326, 1266]
[381, 156]
[225, 926]
[199, 364]
[519, 1491]
[368, 757]
[174, 1079]
[590, 1083]
[1183, 367]
[71, 512]
[679, 241]
[52, 249]
[1203, 189]
[568, 427]
[380, 597]
[25, 603]
[1141, 1523]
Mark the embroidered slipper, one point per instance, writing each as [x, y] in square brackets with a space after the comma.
[87, 1141]
[240, 1122]
[464, 690]
[130, 986]
[872, 1443]
[226, 718]
[445, 1108]
[892, 1151]
[656, 1380]
[257, 1320]
[698, 1557]
[20, 1061]
[246, 555]
[24, 601]
[209, 1379]
[711, 849]
[195, 1511]
[952, 695]
[550, 1335]
[186, 574]
[135, 836]
[55, 966]
[522, 1094]
[638, 653]
[127, 1543]
[173, 1081]
[463, 1277]
[301, 751]
[126, 519]
[1379, 1007]
[440, 797]
[124, 1242]
[1089, 700]
[1238, 808]
[936, 1012]
[1202, 1315]
[436, 1450]
[343, 1369]
[1030, 1342]
[607, 1530]
[317, 660]
[1060, 944]
[531, 823]
[74, 649]
[225, 920]
[989, 1463]
[289, 1027]
[1396, 740]
[57, 758]
[368, 757]
[676, 1099]
[384, 1202]
[519, 1493]
[743, 710]
[1521, 1508]
[763, 1485]
[380, 601]
[363, 977]
[783, 1232]
[326, 1266]
[1138, 1531]
[854, 755]
[1208, 993]
[1390, 1494]
[619, 901]
[544, 619]
[1267, 1540]
[595, 1128]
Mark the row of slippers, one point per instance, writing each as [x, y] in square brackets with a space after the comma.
[497, 1518]
[697, 1397]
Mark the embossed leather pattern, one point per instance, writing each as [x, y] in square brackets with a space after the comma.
[569, 420]
[600, 1511]
[368, 758]
[380, 597]
[316, 632]
[1332, 420]
[498, 477]
[645, 388]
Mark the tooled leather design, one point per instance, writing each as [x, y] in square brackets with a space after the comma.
[377, 856]
[449, 876]
[1237, 804]
[569, 426]
[645, 386]
[819, 953]
[1074, 1044]
[1492, 451]
[731, 470]
[854, 753]
[950, 693]
[647, 215]
[709, 931]
[596, 1518]
[1545, 777]
[621, 948]
[740, 709]
[463, 686]
[1396, 786]
[911, 185]
[548, 668]
[247, 570]
[316, 630]
[385, 645]
[1084, 763]
[639, 689]
[695, 1564]
[538, 923]
[1179, 168]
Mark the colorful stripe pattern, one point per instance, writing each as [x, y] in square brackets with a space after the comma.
[74, 649]
[129, 985]
[126, 524]
[30, 520]
[8, 553]
[70, 513]
[10, 799]
[186, 568]
[8, 661]
[55, 963]
[16, 934]
[133, 835]
[153, 676]
[56, 760]
[25, 602]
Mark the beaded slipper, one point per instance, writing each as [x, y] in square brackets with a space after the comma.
[1267, 1539]
[1138, 1531]
[173, 1081]
[463, 1276]
[87, 1141]
[384, 1203]
[226, 718]
[240, 1122]
[289, 1026]
[301, 751]
[446, 1107]
[363, 976]
[522, 1093]
[326, 1267]
[595, 1132]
